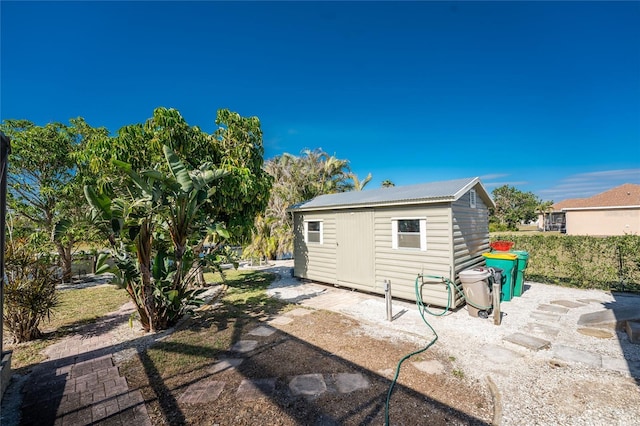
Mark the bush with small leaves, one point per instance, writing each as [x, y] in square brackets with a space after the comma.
[29, 292]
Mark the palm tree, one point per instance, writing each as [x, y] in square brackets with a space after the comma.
[320, 173]
[545, 208]
[295, 179]
[387, 183]
[359, 185]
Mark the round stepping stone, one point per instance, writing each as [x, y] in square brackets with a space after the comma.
[281, 320]
[201, 392]
[543, 316]
[553, 308]
[308, 384]
[527, 341]
[350, 382]
[499, 355]
[429, 367]
[243, 346]
[547, 330]
[566, 353]
[225, 364]
[567, 303]
[255, 389]
[262, 331]
[595, 332]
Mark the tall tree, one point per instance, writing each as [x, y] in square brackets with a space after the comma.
[244, 191]
[152, 227]
[165, 188]
[235, 146]
[513, 206]
[319, 173]
[43, 182]
[296, 179]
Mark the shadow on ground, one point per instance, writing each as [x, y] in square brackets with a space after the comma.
[626, 310]
[167, 372]
[272, 368]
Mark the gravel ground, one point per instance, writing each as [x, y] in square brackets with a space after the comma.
[578, 380]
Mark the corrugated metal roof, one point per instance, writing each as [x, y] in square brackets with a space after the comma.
[431, 192]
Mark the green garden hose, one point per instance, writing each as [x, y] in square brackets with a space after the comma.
[422, 309]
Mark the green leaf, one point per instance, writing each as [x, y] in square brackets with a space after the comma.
[153, 174]
[178, 169]
[172, 295]
[99, 202]
[101, 264]
[222, 231]
[135, 177]
[158, 269]
[61, 228]
[125, 167]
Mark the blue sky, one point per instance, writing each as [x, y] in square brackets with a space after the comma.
[544, 96]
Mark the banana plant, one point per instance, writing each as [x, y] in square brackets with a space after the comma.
[154, 222]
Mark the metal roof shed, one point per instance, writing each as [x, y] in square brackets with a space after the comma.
[359, 239]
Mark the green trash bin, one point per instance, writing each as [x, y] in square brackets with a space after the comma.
[523, 260]
[508, 263]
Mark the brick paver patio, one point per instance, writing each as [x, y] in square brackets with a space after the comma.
[80, 385]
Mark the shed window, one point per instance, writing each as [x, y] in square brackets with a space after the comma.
[472, 198]
[409, 233]
[313, 232]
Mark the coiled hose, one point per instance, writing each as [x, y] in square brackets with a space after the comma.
[422, 309]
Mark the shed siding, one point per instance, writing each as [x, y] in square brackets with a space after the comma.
[456, 237]
[470, 233]
[315, 261]
[402, 266]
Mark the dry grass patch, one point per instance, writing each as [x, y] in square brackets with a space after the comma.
[322, 343]
[76, 308]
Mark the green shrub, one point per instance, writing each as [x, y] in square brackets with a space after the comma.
[498, 227]
[581, 261]
[30, 291]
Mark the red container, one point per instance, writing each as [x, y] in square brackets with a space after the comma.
[502, 245]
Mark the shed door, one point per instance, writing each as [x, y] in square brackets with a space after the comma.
[355, 240]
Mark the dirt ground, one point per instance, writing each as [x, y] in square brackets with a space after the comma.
[324, 343]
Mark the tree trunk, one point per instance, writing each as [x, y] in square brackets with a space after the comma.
[196, 268]
[200, 281]
[143, 245]
[197, 271]
[144, 318]
[65, 261]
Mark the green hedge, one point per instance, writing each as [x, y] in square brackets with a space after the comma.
[607, 263]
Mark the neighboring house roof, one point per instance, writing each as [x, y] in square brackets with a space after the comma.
[433, 192]
[627, 195]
